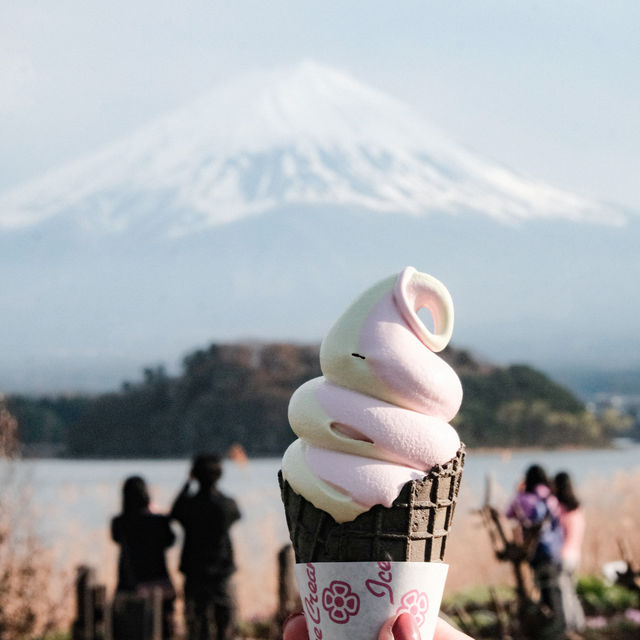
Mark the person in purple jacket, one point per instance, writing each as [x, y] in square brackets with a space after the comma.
[538, 513]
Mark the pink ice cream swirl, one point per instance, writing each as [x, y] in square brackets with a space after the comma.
[378, 418]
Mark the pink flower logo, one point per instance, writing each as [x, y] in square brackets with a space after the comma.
[340, 602]
[416, 603]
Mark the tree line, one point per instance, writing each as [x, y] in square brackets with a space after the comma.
[238, 394]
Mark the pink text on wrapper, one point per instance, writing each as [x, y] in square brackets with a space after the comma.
[311, 604]
[381, 587]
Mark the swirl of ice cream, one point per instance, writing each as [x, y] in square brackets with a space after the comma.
[378, 417]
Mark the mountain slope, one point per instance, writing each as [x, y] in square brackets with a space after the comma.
[87, 312]
[309, 135]
[261, 210]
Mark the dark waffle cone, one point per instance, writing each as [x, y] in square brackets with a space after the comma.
[413, 529]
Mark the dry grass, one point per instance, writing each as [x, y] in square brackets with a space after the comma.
[30, 586]
[612, 515]
[256, 580]
[39, 591]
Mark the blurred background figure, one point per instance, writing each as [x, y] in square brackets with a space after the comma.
[144, 537]
[207, 554]
[538, 513]
[237, 454]
[572, 521]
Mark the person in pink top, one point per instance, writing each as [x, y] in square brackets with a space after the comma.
[572, 522]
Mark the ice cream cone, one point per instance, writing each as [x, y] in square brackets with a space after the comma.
[368, 528]
[414, 529]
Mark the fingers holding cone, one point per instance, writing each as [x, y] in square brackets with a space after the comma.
[401, 627]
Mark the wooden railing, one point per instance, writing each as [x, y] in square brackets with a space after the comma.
[132, 617]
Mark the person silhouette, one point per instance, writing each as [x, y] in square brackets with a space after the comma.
[572, 521]
[538, 513]
[143, 537]
[207, 553]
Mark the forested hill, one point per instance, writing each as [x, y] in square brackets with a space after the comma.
[238, 393]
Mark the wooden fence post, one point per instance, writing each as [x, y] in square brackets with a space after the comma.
[91, 607]
[157, 614]
[83, 624]
[136, 617]
[100, 612]
[130, 616]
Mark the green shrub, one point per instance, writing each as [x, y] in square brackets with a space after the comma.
[477, 597]
[600, 598]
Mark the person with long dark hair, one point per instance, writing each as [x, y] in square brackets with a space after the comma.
[572, 521]
[538, 513]
[143, 537]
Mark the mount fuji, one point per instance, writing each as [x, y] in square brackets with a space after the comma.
[261, 209]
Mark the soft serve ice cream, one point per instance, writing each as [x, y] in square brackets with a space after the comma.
[378, 417]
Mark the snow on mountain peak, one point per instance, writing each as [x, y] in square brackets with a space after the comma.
[308, 134]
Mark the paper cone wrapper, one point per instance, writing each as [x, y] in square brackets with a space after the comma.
[351, 600]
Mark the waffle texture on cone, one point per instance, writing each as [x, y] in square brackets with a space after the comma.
[413, 529]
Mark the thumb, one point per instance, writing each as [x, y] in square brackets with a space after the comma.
[404, 627]
[295, 627]
[400, 627]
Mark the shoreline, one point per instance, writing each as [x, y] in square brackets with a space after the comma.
[501, 451]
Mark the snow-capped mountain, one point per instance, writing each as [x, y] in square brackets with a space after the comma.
[309, 135]
[262, 209]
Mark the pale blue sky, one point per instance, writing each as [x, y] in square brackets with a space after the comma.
[550, 88]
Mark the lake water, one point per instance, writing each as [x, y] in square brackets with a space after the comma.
[75, 499]
[83, 494]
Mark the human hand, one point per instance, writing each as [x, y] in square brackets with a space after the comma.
[402, 627]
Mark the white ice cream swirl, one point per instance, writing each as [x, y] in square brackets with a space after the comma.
[378, 417]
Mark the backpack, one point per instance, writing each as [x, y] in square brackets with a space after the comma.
[543, 538]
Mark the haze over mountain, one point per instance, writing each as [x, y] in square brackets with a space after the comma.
[260, 210]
